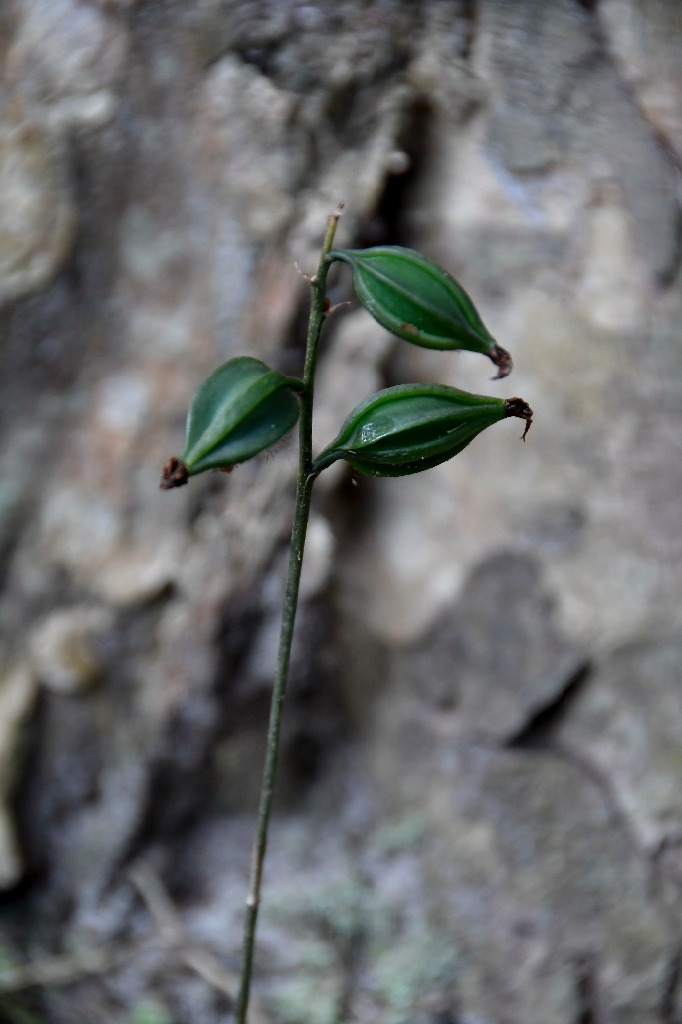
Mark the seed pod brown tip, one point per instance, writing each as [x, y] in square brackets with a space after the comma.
[517, 407]
[173, 474]
[502, 360]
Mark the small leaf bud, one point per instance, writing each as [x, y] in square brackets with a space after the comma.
[418, 301]
[413, 427]
[241, 409]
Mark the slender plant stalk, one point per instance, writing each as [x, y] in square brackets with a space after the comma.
[302, 509]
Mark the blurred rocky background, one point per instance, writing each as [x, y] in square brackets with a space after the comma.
[479, 817]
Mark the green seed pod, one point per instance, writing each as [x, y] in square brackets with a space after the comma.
[413, 427]
[420, 302]
[239, 411]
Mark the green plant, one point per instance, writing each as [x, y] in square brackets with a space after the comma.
[150, 1012]
[244, 407]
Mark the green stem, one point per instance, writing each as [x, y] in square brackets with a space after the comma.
[304, 490]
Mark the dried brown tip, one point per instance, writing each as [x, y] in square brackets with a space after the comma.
[338, 212]
[174, 474]
[502, 360]
[517, 407]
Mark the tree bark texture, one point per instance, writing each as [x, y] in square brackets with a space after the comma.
[479, 813]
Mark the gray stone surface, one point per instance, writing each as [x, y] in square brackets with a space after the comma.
[625, 727]
[478, 815]
[494, 662]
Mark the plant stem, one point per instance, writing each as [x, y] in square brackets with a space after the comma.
[304, 489]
